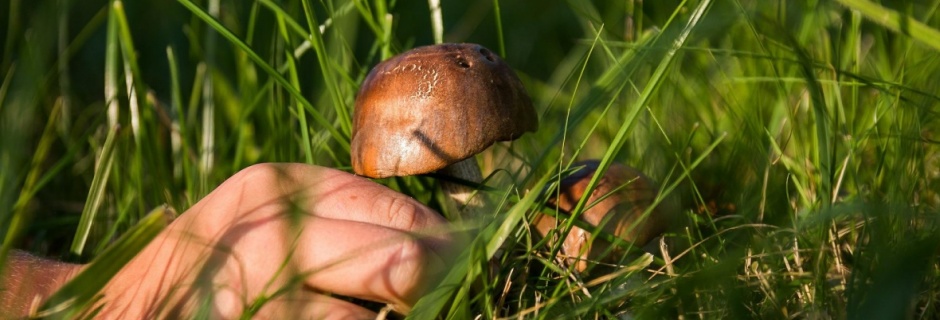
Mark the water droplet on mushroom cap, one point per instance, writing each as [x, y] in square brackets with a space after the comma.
[433, 106]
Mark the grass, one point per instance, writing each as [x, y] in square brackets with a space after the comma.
[801, 138]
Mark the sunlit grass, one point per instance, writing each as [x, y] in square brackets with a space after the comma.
[800, 139]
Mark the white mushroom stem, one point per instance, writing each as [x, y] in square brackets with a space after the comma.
[469, 202]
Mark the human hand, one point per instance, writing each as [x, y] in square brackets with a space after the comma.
[293, 233]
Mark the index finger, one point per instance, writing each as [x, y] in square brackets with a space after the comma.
[334, 194]
[344, 196]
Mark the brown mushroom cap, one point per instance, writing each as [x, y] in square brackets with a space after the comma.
[619, 213]
[427, 108]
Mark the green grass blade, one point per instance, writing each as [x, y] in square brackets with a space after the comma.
[386, 23]
[139, 111]
[326, 68]
[207, 141]
[499, 29]
[112, 47]
[96, 193]
[295, 81]
[182, 166]
[134, 84]
[437, 21]
[896, 21]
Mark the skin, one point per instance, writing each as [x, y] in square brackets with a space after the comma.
[27, 279]
[315, 232]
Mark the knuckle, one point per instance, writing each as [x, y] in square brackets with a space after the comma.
[260, 173]
[413, 264]
[402, 213]
[412, 249]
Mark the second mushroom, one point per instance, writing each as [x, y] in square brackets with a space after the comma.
[616, 206]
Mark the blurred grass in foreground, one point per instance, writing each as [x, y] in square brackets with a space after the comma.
[802, 138]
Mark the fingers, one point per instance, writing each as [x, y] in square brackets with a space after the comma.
[343, 196]
[354, 237]
[339, 195]
[347, 258]
[304, 304]
[325, 192]
[348, 197]
[333, 194]
[366, 261]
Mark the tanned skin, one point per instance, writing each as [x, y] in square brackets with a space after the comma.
[298, 235]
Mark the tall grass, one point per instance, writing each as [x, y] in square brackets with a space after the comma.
[801, 139]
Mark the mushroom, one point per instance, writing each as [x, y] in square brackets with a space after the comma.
[619, 200]
[432, 109]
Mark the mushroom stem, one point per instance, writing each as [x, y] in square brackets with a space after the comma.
[469, 205]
